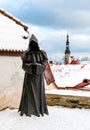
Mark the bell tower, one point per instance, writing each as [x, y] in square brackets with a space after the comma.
[67, 51]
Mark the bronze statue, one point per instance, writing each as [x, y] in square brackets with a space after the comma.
[33, 101]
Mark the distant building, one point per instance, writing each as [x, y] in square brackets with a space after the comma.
[13, 41]
[67, 51]
[73, 61]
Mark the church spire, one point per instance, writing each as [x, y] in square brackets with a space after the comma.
[67, 51]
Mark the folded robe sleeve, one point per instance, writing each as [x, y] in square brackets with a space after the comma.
[36, 67]
[25, 65]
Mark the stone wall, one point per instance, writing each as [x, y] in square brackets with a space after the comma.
[10, 98]
[68, 101]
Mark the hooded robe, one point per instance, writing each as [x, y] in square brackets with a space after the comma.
[33, 101]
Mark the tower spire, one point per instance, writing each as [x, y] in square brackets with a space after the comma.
[67, 51]
[67, 45]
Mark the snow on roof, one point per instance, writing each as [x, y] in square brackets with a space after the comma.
[12, 32]
[70, 75]
[13, 18]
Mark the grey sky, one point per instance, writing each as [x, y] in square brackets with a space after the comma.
[55, 17]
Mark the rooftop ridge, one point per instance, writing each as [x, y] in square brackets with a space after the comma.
[14, 19]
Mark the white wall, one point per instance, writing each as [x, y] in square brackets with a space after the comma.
[11, 73]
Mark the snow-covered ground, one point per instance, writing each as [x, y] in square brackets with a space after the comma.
[59, 118]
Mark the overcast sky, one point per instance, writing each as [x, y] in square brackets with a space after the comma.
[51, 20]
